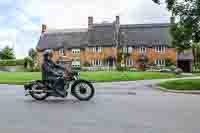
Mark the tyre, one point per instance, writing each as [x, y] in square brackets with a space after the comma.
[38, 95]
[82, 90]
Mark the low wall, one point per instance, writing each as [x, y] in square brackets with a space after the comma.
[11, 68]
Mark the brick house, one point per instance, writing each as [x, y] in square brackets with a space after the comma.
[97, 44]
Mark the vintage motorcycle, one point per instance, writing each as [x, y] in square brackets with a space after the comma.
[81, 89]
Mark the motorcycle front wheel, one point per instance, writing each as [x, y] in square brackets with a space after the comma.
[82, 90]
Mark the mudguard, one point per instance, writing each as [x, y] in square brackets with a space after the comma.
[77, 81]
[29, 85]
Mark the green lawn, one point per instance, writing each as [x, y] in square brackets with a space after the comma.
[22, 77]
[186, 84]
[109, 76]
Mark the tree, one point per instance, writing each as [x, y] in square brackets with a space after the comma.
[28, 62]
[7, 53]
[121, 54]
[187, 30]
[32, 53]
[196, 55]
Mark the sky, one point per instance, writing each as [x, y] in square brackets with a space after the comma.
[21, 20]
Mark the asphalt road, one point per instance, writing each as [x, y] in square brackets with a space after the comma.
[120, 107]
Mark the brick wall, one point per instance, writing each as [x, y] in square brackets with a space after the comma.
[153, 55]
[87, 55]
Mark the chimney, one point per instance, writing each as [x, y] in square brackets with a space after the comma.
[172, 20]
[117, 31]
[117, 20]
[44, 28]
[90, 22]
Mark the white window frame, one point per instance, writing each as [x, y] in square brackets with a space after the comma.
[160, 49]
[97, 62]
[142, 49]
[125, 49]
[62, 51]
[76, 63]
[129, 62]
[76, 51]
[130, 49]
[160, 62]
[97, 49]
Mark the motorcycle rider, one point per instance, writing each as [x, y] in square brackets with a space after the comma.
[50, 73]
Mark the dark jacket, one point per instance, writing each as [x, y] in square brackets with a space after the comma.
[50, 70]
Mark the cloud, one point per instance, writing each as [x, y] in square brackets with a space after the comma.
[64, 13]
[25, 17]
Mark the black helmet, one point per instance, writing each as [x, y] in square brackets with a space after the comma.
[47, 52]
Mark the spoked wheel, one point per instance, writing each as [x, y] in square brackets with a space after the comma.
[83, 90]
[38, 93]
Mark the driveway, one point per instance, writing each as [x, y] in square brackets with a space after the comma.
[118, 107]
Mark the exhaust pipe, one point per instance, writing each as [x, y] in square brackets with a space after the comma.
[36, 91]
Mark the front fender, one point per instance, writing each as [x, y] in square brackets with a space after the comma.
[78, 81]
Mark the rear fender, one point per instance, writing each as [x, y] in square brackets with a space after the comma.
[28, 86]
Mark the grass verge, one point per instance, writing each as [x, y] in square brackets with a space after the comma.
[23, 77]
[185, 84]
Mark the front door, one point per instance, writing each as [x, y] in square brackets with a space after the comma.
[185, 65]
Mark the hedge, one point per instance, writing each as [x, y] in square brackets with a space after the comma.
[12, 62]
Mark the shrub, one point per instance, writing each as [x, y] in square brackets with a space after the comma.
[169, 62]
[11, 62]
[28, 62]
[35, 69]
[120, 68]
[133, 70]
[86, 64]
[172, 68]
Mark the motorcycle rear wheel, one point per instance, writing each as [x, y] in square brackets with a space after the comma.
[38, 96]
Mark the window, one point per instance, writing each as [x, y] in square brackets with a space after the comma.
[129, 62]
[76, 51]
[142, 49]
[62, 51]
[125, 50]
[97, 49]
[160, 62]
[130, 49]
[160, 48]
[97, 62]
[76, 63]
